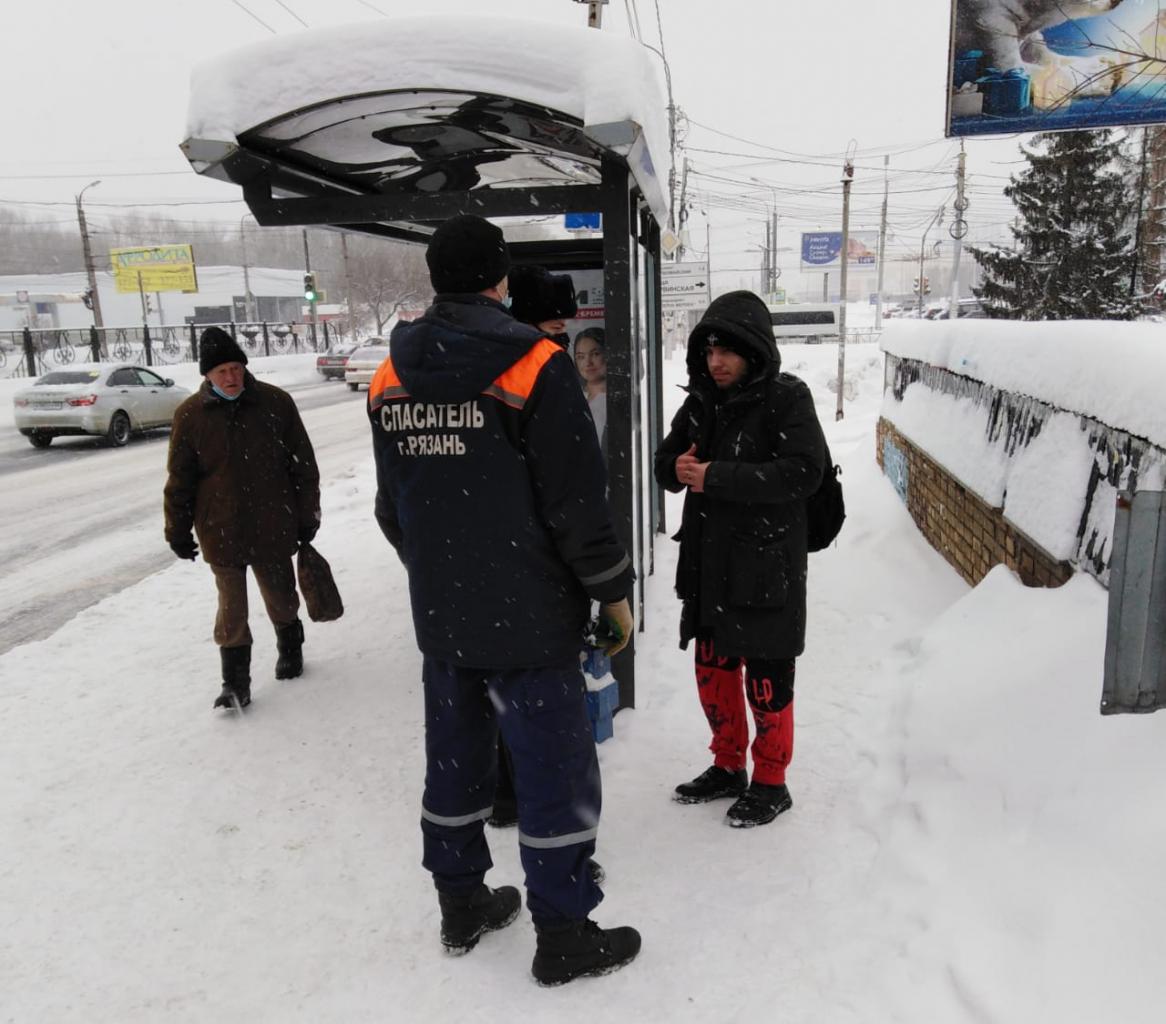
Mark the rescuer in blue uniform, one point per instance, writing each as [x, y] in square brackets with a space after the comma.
[493, 497]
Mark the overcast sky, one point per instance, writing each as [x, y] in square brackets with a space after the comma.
[100, 91]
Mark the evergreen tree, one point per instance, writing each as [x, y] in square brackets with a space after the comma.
[1074, 255]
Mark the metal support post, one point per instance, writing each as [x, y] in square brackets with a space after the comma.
[30, 353]
[847, 178]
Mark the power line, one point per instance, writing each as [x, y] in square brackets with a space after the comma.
[293, 13]
[240, 5]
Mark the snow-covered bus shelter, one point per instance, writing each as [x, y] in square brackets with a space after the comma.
[390, 127]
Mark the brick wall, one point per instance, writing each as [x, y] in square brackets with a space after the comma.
[970, 534]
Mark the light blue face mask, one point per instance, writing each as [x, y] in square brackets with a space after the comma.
[507, 301]
[224, 395]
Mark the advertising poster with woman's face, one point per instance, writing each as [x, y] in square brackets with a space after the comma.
[588, 344]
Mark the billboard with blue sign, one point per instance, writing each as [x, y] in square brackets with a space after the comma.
[822, 250]
[1055, 65]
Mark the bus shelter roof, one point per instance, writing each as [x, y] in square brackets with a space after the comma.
[374, 122]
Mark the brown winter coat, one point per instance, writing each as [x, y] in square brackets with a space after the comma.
[242, 474]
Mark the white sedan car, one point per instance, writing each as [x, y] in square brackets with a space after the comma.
[363, 363]
[108, 399]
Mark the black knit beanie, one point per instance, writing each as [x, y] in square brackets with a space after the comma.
[537, 295]
[467, 254]
[216, 347]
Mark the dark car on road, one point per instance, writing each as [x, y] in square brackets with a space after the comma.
[331, 364]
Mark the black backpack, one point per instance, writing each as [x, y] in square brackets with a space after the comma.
[825, 508]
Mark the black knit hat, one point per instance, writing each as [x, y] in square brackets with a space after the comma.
[467, 254]
[537, 295]
[216, 347]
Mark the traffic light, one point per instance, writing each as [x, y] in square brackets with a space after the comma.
[87, 298]
[309, 287]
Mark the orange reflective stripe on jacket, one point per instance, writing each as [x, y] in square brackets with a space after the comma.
[385, 385]
[513, 387]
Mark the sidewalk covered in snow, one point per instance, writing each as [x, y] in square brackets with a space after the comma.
[959, 806]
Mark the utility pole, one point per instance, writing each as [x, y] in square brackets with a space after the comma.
[882, 243]
[958, 229]
[347, 284]
[315, 296]
[847, 178]
[683, 212]
[88, 254]
[766, 256]
[248, 298]
[773, 271]
[594, 12]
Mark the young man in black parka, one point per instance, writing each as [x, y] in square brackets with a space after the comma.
[747, 446]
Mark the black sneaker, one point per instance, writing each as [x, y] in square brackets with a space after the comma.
[465, 918]
[711, 784]
[759, 805]
[581, 949]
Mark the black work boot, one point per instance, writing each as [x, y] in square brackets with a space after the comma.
[289, 641]
[759, 805]
[580, 949]
[711, 784]
[465, 917]
[236, 677]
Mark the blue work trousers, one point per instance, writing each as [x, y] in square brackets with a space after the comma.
[542, 714]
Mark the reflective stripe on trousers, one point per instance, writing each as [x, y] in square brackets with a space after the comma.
[542, 714]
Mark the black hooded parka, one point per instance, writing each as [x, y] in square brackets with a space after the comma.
[741, 573]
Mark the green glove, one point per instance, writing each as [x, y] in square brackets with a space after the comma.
[617, 618]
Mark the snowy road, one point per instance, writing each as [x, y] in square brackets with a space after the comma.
[98, 510]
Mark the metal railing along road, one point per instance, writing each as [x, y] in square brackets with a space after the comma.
[31, 352]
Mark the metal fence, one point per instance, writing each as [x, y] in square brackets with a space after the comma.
[30, 353]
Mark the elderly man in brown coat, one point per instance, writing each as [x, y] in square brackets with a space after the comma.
[242, 474]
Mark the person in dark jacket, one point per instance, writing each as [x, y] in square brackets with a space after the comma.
[243, 476]
[493, 497]
[747, 446]
[546, 301]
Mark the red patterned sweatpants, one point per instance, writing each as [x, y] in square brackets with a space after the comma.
[768, 686]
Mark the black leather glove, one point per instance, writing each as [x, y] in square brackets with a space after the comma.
[185, 547]
[308, 533]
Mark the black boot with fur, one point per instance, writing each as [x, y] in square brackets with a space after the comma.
[236, 677]
[289, 641]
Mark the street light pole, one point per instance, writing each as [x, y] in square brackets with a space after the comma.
[248, 298]
[95, 298]
[847, 178]
[923, 252]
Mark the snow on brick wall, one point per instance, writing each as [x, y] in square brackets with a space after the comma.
[1019, 424]
[1110, 371]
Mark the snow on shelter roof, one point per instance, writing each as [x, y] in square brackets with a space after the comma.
[368, 104]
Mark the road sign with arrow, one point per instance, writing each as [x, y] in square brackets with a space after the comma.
[684, 286]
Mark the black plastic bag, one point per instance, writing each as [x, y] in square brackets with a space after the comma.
[317, 585]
